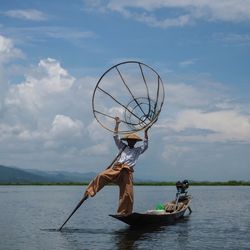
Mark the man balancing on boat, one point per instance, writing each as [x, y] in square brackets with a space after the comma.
[121, 173]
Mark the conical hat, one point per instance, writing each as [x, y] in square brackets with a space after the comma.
[132, 136]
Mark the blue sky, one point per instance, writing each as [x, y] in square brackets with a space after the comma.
[52, 53]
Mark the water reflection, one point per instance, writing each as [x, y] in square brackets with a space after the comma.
[127, 238]
[131, 237]
[183, 233]
[84, 238]
[69, 230]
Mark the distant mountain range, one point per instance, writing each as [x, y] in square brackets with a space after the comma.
[14, 175]
[28, 176]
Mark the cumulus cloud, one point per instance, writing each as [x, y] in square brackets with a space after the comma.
[8, 50]
[181, 12]
[50, 77]
[218, 126]
[47, 111]
[206, 96]
[39, 95]
[64, 126]
[27, 14]
[204, 111]
[64, 131]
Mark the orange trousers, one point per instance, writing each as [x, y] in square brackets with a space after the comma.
[121, 175]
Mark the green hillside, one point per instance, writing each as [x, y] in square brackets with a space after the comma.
[12, 175]
[15, 175]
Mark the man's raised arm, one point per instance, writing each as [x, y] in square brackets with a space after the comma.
[117, 123]
[118, 142]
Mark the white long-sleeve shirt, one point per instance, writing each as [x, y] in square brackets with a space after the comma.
[129, 155]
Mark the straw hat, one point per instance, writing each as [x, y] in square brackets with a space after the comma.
[132, 136]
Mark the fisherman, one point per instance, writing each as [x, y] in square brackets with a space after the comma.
[122, 171]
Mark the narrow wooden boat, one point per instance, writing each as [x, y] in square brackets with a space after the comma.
[171, 212]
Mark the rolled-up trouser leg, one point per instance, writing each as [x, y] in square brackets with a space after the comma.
[126, 199]
[101, 180]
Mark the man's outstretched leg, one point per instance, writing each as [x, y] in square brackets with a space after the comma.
[104, 178]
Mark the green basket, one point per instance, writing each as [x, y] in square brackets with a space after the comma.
[160, 207]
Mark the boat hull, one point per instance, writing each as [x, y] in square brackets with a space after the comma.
[142, 219]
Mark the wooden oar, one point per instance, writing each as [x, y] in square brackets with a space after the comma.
[112, 163]
[86, 196]
[78, 205]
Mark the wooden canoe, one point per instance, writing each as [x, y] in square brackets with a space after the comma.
[149, 218]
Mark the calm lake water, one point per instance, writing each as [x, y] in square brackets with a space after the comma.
[29, 216]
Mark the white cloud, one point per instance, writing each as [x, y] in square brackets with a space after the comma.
[187, 63]
[172, 153]
[53, 79]
[94, 131]
[233, 38]
[96, 150]
[6, 131]
[186, 95]
[223, 125]
[8, 51]
[49, 106]
[194, 10]
[153, 21]
[30, 34]
[204, 112]
[64, 126]
[28, 14]
[65, 134]
[39, 98]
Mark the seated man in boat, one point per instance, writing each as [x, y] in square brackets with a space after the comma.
[122, 171]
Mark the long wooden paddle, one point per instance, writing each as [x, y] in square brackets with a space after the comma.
[78, 205]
